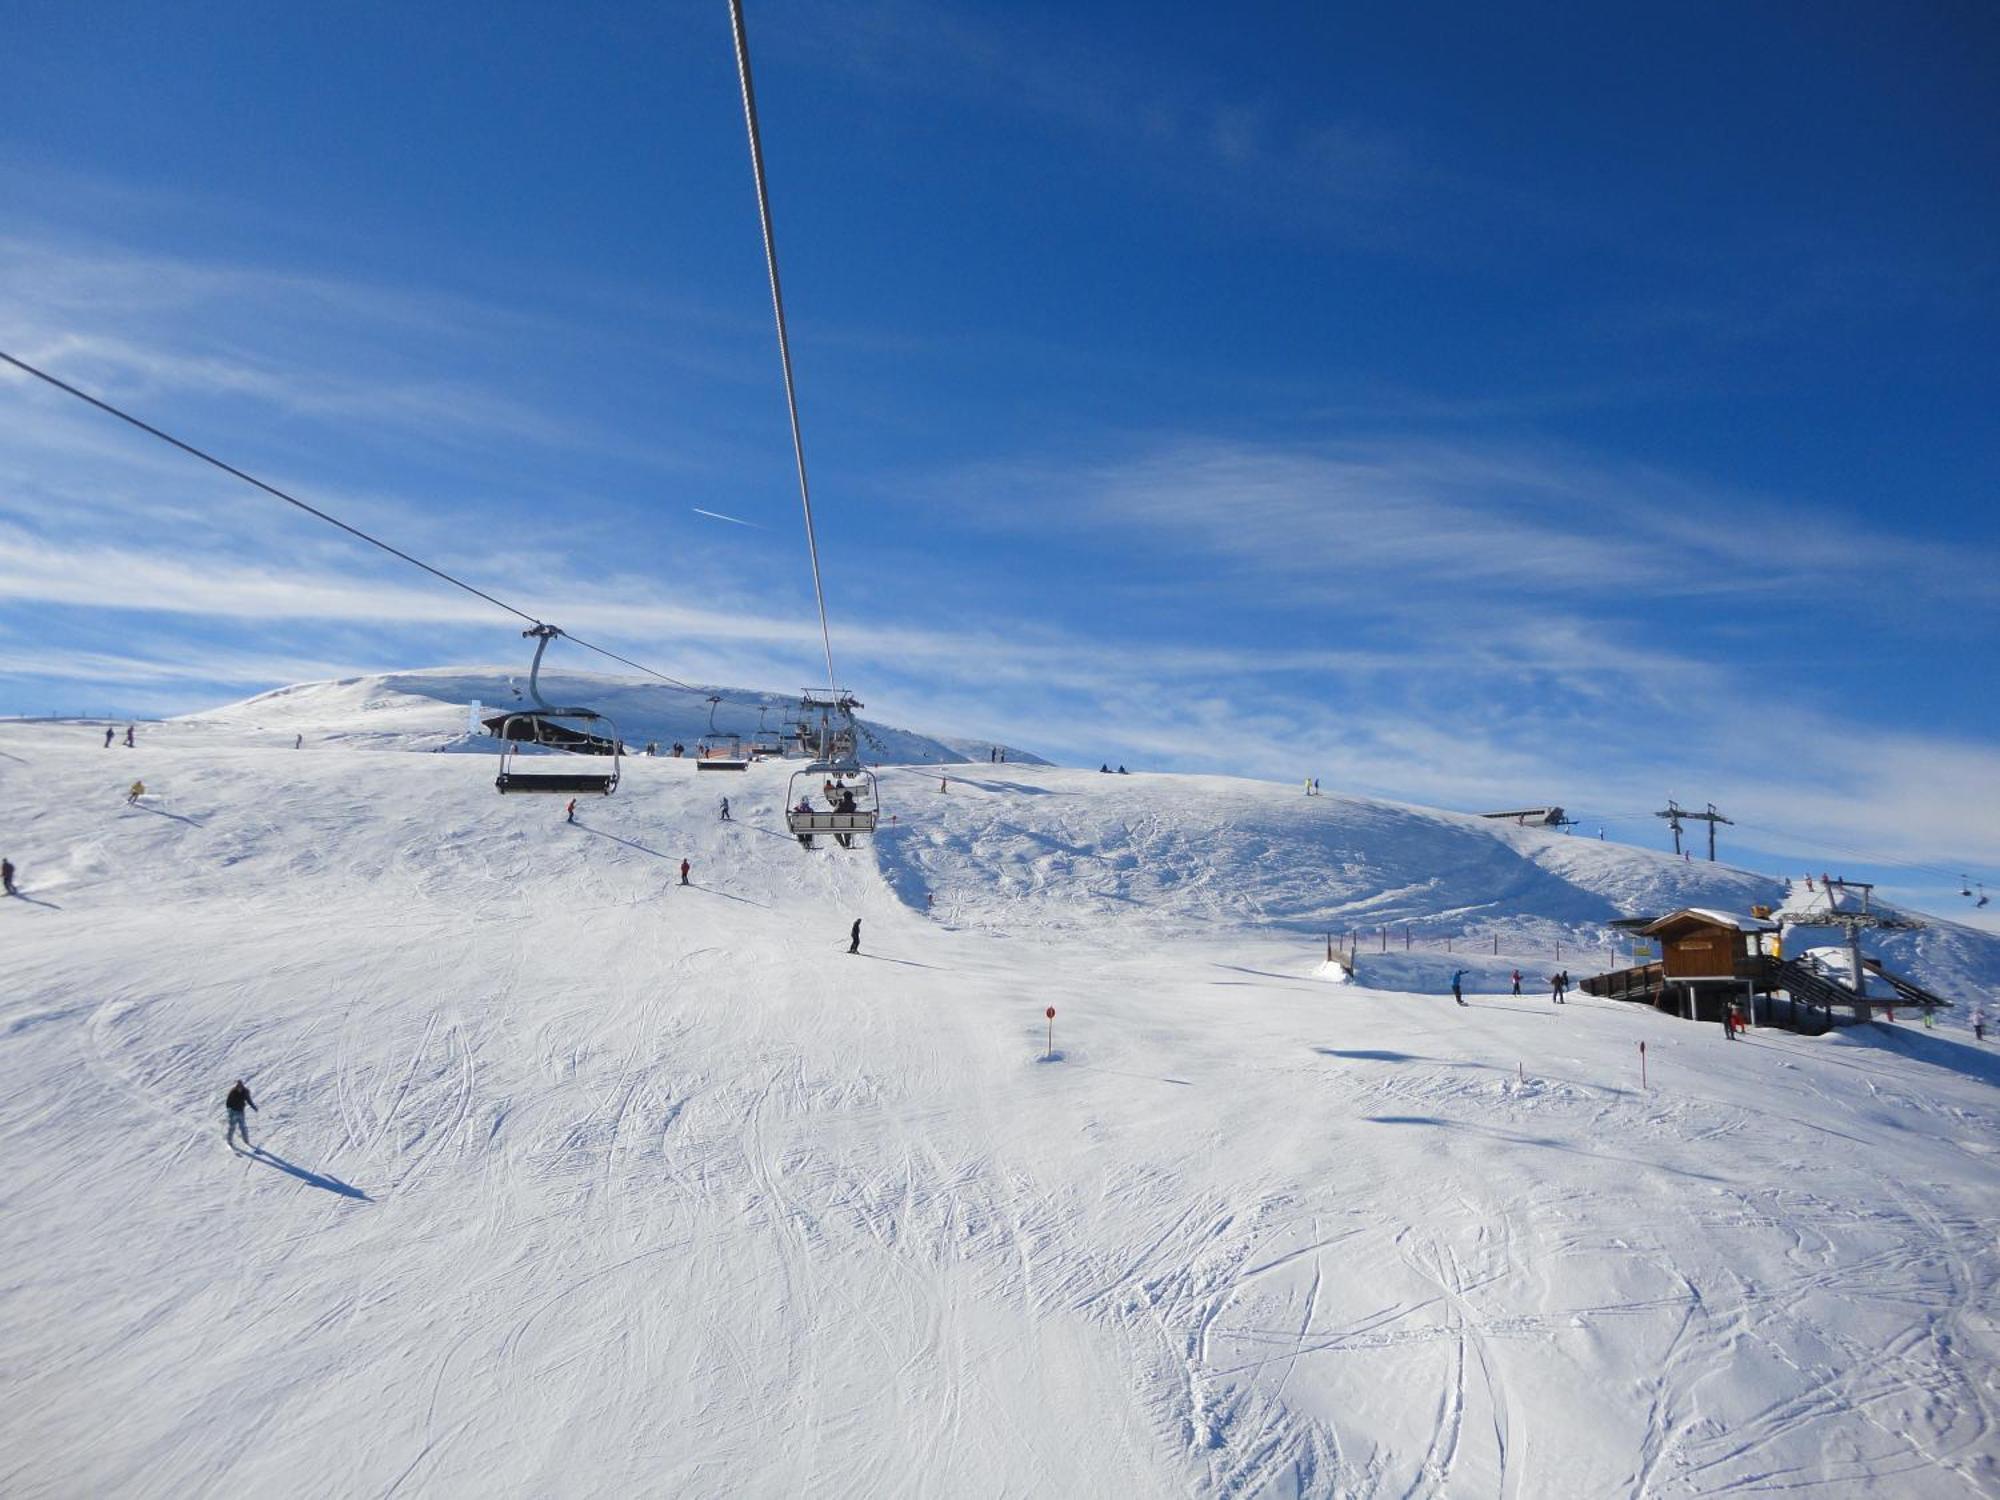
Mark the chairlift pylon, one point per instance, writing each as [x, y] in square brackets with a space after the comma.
[574, 731]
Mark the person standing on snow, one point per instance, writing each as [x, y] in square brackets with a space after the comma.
[725, 810]
[569, 812]
[1457, 989]
[7, 876]
[1729, 1020]
[108, 733]
[128, 737]
[298, 742]
[1517, 981]
[685, 867]
[1979, 1023]
[238, 1097]
[854, 937]
[1556, 988]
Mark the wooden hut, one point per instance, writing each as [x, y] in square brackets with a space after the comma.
[1708, 958]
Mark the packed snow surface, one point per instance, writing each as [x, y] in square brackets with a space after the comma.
[573, 1180]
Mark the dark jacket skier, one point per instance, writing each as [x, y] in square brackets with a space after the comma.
[725, 809]
[238, 1097]
[685, 867]
[1457, 987]
[854, 937]
[7, 876]
[1517, 981]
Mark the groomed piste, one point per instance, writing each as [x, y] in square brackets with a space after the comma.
[571, 1180]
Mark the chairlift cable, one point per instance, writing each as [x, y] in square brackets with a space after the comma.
[317, 513]
[778, 309]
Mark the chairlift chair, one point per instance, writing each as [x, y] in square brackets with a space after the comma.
[718, 750]
[853, 802]
[574, 731]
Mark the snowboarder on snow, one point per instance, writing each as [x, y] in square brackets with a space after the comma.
[108, 733]
[569, 812]
[725, 810]
[7, 876]
[1457, 988]
[128, 737]
[238, 1097]
[685, 867]
[1517, 981]
[138, 790]
[854, 937]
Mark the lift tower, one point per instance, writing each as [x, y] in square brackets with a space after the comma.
[1676, 814]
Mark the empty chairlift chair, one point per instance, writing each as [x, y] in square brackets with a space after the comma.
[572, 731]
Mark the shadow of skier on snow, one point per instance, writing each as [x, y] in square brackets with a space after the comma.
[628, 843]
[309, 1178]
[161, 812]
[908, 963]
[33, 900]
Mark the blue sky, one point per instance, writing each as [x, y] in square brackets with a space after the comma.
[1468, 404]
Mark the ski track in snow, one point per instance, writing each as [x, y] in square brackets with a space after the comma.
[568, 1180]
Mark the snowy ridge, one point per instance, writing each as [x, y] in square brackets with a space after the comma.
[578, 1181]
[427, 710]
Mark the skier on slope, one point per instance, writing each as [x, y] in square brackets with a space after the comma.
[7, 876]
[685, 867]
[1517, 981]
[1556, 988]
[854, 937]
[128, 737]
[108, 733]
[1729, 1020]
[138, 790]
[1979, 1023]
[569, 812]
[725, 810]
[238, 1097]
[1457, 986]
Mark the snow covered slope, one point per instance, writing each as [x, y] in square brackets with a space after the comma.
[576, 1181]
[428, 709]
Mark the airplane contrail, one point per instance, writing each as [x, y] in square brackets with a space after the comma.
[716, 515]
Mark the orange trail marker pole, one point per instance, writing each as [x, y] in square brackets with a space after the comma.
[1050, 1055]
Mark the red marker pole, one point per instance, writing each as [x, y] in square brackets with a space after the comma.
[1642, 1065]
[1049, 1056]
